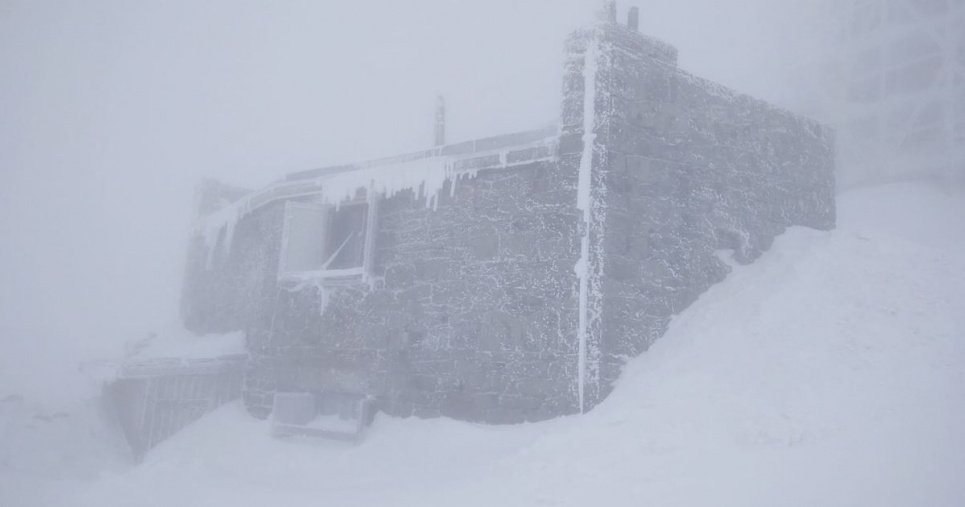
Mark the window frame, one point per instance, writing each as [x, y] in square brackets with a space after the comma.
[343, 276]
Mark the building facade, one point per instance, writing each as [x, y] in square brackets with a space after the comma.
[508, 279]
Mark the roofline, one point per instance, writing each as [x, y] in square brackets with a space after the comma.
[498, 152]
[456, 150]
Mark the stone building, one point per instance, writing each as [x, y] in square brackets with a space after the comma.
[508, 279]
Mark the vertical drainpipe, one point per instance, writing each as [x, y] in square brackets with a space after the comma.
[584, 202]
[588, 268]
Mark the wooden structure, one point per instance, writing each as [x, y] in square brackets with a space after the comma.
[155, 398]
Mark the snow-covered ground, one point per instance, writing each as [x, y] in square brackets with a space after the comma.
[830, 372]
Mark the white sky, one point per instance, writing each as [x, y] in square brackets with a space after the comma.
[111, 111]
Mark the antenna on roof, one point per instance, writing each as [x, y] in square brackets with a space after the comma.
[440, 120]
[608, 13]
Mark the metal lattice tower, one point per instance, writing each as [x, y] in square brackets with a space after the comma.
[890, 76]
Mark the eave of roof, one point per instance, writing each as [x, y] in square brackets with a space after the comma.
[509, 150]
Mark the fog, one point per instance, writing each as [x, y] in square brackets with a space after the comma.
[782, 319]
[112, 111]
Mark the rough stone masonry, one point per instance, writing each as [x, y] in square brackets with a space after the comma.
[509, 279]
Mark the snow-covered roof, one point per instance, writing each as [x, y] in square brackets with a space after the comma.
[462, 152]
[424, 172]
[190, 346]
[175, 352]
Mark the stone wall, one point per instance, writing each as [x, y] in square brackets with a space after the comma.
[686, 168]
[471, 314]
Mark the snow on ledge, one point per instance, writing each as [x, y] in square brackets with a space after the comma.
[184, 345]
[176, 351]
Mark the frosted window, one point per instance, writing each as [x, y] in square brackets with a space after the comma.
[325, 239]
[345, 238]
[304, 248]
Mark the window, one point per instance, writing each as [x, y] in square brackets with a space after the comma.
[345, 238]
[326, 242]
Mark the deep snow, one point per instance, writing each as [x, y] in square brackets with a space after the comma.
[830, 372]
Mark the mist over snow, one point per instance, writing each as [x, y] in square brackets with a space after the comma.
[829, 372]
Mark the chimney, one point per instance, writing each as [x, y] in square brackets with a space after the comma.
[633, 19]
[440, 120]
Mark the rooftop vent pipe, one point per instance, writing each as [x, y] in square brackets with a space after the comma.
[440, 120]
[608, 13]
[633, 19]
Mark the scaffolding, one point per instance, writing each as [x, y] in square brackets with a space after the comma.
[890, 76]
